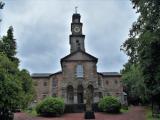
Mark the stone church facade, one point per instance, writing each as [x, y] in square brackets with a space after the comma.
[79, 73]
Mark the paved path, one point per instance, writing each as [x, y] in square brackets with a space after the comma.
[135, 113]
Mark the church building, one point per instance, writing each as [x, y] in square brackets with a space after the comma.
[78, 73]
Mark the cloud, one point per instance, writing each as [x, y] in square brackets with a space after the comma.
[42, 29]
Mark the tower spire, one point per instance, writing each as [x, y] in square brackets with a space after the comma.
[76, 9]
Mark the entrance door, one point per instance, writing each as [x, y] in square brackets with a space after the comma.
[80, 94]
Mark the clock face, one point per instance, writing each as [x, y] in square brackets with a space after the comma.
[76, 29]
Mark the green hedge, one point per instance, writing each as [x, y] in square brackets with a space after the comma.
[109, 104]
[50, 106]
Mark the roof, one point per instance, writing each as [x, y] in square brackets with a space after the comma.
[94, 58]
[41, 74]
[44, 75]
[110, 73]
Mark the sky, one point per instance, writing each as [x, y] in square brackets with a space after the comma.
[42, 29]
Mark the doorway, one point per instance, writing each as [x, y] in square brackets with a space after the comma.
[70, 94]
[80, 94]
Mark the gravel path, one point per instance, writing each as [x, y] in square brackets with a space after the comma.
[135, 113]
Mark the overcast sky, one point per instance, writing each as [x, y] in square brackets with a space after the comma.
[42, 28]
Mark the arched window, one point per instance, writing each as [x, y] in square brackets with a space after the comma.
[79, 71]
[70, 94]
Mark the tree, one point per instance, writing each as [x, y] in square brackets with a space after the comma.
[145, 34]
[9, 45]
[28, 88]
[10, 86]
[1, 6]
[8, 48]
[16, 86]
[134, 84]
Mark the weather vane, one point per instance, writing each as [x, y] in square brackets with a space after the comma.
[76, 9]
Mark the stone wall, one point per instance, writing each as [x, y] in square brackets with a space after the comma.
[69, 77]
[56, 84]
[113, 86]
[41, 87]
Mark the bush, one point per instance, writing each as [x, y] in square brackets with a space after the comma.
[109, 104]
[50, 106]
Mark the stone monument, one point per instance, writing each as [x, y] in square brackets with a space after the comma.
[89, 113]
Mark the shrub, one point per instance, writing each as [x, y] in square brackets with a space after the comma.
[50, 106]
[109, 104]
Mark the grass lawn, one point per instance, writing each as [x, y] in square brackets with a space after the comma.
[149, 114]
[124, 109]
[31, 112]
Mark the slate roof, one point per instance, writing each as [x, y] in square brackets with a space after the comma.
[46, 75]
[110, 73]
[43, 75]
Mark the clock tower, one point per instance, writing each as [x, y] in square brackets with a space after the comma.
[78, 82]
[76, 37]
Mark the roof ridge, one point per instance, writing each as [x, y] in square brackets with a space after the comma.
[76, 52]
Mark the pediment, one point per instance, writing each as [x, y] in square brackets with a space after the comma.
[79, 55]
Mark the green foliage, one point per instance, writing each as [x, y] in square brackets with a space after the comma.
[8, 45]
[149, 115]
[143, 45]
[31, 111]
[10, 84]
[50, 106]
[134, 84]
[122, 110]
[28, 88]
[109, 104]
[16, 87]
